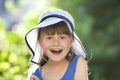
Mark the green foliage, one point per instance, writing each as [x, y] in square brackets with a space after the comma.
[13, 55]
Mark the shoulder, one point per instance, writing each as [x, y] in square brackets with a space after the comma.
[81, 64]
[81, 69]
[81, 61]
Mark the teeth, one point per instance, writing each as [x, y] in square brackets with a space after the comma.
[56, 50]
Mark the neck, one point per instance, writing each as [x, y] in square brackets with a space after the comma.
[56, 64]
[57, 69]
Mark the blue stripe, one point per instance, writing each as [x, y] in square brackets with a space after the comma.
[58, 16]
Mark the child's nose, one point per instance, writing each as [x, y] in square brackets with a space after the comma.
[56, 42]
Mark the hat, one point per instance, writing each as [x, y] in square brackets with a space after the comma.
[51, 17]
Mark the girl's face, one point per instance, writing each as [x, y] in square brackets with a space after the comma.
[55, 46]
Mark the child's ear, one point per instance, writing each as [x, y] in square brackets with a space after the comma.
[72, 39]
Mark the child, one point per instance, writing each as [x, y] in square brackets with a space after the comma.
[57, 51]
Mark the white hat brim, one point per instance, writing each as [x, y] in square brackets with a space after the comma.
[32, 40]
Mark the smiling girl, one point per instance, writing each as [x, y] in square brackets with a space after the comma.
[57, 51]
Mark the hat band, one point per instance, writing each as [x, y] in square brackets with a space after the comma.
[58, 16]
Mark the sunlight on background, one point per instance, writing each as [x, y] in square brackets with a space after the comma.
[97, 23]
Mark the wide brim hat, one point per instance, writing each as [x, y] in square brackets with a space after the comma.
[51, 17]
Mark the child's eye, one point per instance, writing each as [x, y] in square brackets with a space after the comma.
[49, 38]
[62, 37]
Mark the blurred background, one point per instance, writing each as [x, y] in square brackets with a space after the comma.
[97, 22]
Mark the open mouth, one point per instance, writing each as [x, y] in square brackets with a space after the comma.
[56, 52]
